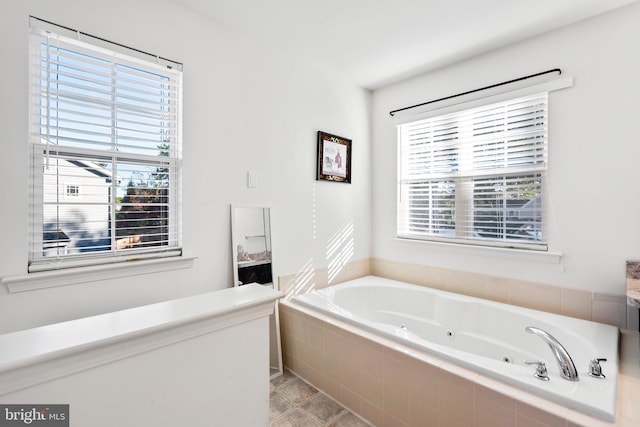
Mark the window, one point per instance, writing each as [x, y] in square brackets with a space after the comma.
[476, 176]
[106, 120]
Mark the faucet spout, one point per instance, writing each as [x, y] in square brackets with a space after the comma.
[567, 368]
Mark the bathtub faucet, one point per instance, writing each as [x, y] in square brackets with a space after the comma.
[567, 368]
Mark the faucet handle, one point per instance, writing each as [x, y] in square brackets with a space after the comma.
[595, 370]
[541, 369]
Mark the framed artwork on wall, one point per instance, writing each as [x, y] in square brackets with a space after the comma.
[334, 158]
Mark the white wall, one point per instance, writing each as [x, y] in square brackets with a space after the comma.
[594, 148]
[245, 108]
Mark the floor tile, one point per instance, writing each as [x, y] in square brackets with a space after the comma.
[278, 405]
[281, 380]
[322, 408]
[349, 420]
[295, 403]
[297, 391]
[295, 418]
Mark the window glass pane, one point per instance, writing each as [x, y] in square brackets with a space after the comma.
[508, 208]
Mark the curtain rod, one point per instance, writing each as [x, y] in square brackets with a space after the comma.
[555, 70]
[105, 40]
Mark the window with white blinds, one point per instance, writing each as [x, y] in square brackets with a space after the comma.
[105, 147]
[476, 176]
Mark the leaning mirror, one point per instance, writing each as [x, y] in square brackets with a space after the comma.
[253, 263]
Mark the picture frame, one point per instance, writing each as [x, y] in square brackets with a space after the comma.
[334, 158]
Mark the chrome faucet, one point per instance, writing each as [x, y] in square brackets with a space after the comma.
[567, 368]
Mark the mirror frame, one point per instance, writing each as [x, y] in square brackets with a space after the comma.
[274, 319]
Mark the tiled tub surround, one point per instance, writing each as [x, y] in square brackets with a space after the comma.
[390, 384]
[481, 335]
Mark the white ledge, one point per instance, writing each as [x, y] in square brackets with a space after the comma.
[544, 257]
[71, 276]
[37, 355]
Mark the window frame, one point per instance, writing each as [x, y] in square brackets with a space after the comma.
[41, 151]
[468, 103]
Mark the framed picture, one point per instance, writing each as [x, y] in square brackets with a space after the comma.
[334, 158]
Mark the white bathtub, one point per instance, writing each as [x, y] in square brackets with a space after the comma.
[481, 335]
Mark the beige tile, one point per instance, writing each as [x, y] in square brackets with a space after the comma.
[372, 389]
[333, 389]
[576, 303]
[497, 289]
[537, 415]
[332, 367]
[521, 293]
[372, 413]
[315, 358]
[445, 420]
[350, 352]
[353, 270]
[610, 309]
[351, 400]
[496, 398]
[422, 414]
[371, 359]
[351, 379]
[422, 383]
[396, 403]
[525, 421]
[547, 298]
[490, 414]
[316, 335]
[436, 277]
[455, 397]
[333, 343]
[391, 421]
[298, 327]
[395, 371]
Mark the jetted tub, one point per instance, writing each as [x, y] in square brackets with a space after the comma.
[485, 336]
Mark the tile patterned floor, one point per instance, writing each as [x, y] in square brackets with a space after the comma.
[294, 403]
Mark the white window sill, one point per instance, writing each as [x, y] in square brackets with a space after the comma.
[544, 257]
[70, 276]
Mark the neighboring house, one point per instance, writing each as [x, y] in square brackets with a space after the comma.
[77, 207]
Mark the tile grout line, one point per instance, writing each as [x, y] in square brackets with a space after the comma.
[282, 383]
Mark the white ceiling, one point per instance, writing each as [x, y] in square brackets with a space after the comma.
[377, 42]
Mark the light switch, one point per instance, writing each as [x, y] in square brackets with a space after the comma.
[252, 179]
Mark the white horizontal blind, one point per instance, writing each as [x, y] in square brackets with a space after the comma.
[476, 176]
[105, 146]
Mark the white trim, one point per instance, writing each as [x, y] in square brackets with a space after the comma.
[473, 101]
[38, 355]
[543, 257]
[70, 276]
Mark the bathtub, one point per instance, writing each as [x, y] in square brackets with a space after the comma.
[484, 336]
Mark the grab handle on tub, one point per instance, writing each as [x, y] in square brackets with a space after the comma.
[541, 369]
